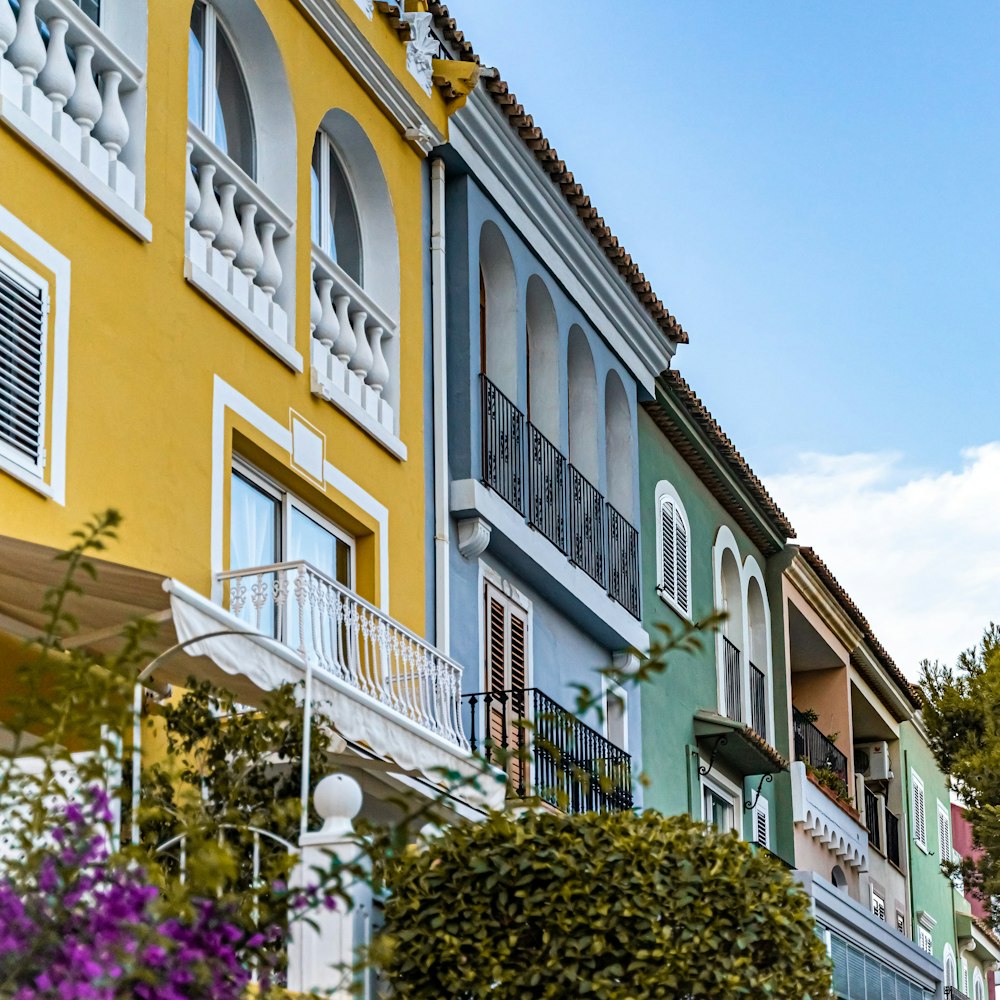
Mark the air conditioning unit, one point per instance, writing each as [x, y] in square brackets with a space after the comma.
[872, 760]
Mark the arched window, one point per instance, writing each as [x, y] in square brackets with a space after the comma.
[498, 311]
[978, 986]
[217, 95]
[673, 534]
[619, 446]
[757, 665]
[950, 974]
[543, 360]
[354, 294]
[583, 444]
[335, 227]
[240, 198]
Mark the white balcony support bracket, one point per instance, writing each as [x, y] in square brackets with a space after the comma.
[473, 536]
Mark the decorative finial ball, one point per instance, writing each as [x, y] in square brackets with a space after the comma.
[338, 796]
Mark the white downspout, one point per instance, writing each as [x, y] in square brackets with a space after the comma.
[442, 586]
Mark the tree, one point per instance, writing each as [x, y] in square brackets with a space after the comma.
[613, 906]
[962, 716]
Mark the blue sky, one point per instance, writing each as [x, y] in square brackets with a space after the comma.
[812, 190]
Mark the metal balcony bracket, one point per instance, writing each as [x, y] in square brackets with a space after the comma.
[719, 743]
[748, 805]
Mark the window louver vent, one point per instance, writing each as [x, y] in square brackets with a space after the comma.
[23, 313]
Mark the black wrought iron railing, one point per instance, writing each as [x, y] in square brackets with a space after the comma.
[954, 993]
[547, 483]
[586, 525]
[758, 699]
[814, 748]
[503, 445]
[549, 753]
[892, 837]
[732, 680]
[525, 468]
[871, 819]
[623, 562]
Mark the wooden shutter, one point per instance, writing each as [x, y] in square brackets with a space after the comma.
[683, 597]
[668, 551]
[23, 321]
[919, 812]
[507, 676]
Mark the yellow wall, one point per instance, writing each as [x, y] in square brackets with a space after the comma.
[145, 346]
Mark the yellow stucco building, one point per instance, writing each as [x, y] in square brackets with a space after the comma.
[214, 299]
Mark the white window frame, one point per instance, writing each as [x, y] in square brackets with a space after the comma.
[877, 902]
[489, 575]
[725, 789]
[51, 482]
[289, 502]
[666, 491]
[919, 814]
[11, 458]
[978, 985]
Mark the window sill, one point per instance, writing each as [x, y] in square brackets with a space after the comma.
[30, 479]
[109, 184]
[362, 406]
[672, 604]
[215, 277]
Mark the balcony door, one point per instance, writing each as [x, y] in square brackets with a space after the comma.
[269, 525]
[506, 670]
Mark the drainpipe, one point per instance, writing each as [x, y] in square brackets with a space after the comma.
[442, 590]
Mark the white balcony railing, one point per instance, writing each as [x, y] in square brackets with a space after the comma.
[234, 240]
[75, 97]
[342, 634]
[352, 344]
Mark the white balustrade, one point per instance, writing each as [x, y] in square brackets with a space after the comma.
[86, 110]
[343, 635]
[234, 232]
[350, 332]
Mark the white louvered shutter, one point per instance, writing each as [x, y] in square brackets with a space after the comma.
[668, 550]
[944, 834]
[919, 813]
[24, 309]
[683, 581]
[762, 824]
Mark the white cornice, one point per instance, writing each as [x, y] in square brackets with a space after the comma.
[507, 169]
[361, 56]
[803, 577]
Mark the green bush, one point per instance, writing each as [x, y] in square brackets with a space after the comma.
[622, 907]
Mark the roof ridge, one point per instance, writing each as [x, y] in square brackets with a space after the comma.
[724, 445]
[911, 690]
[549, 161]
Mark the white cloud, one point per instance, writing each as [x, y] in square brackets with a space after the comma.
[919, 553]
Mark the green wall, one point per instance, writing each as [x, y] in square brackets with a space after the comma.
[930, 889]
[689, 683]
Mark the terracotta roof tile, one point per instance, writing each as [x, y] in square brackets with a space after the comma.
[549, 161]
[724, 448]
[911, 691]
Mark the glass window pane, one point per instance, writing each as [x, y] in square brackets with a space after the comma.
[92, 8]
[346, 243]
[319, 546]
[233, 123]
[196, 66]
[317, 233]
[253, 521]
[253, 541]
